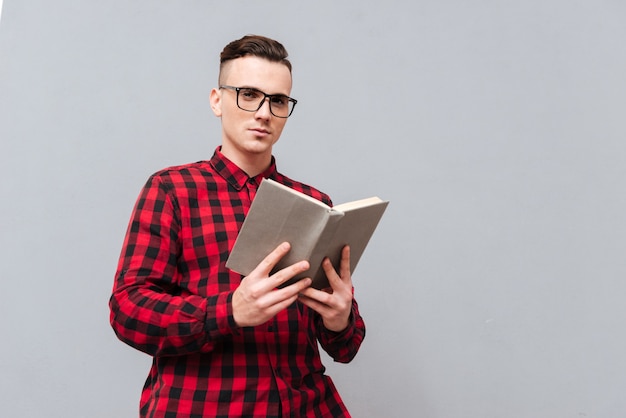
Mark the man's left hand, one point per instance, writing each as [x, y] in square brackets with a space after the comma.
[334, 304]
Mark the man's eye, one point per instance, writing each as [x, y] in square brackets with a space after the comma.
[249, 94]
[280, 100]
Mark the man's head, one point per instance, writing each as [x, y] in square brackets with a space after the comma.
[252, 100]
[252, 45]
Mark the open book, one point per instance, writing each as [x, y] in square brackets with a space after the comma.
[314, 230]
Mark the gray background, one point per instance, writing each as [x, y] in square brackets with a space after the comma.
[494, 286]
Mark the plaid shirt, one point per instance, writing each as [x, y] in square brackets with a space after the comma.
[172, 299]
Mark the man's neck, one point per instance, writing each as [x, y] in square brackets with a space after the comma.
[251, 164]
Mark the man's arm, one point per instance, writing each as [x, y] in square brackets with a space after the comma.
[151, 313]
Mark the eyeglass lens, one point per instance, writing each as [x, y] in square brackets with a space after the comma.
[251, 100]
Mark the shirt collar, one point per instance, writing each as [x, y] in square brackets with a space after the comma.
[234, 175]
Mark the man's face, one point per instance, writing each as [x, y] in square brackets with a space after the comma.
[248, 135]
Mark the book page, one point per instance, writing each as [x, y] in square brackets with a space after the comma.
[357, 204]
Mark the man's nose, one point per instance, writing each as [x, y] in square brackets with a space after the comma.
[264, 110]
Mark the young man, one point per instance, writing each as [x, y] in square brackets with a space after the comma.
[224, 345]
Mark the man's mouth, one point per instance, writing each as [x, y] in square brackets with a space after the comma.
[260, 131]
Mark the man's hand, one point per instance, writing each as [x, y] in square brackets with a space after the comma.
[257, 298]
[333, 304]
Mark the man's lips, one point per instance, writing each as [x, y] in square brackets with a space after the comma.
[259, 131]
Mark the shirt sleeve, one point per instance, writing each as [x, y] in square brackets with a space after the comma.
[148, 310]
[343, 346]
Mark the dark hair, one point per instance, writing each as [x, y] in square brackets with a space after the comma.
[255, 45]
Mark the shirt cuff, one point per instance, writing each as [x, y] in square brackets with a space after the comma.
[346, 334]
[220, 320]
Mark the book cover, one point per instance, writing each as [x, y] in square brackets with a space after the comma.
[314, 230]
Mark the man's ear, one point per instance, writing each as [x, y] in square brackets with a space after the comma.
[216, 102]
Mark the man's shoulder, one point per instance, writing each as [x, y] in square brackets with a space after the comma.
[189, 175]
[199, 168]
[303, 187]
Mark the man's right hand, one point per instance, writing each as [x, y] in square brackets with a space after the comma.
[257, 298]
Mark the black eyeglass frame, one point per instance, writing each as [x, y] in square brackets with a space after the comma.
[265, 96]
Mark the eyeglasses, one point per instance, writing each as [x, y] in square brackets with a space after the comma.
[251, 100]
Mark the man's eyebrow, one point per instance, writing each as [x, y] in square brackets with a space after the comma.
[258, 89]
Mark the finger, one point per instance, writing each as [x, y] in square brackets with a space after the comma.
[280, 299]
[289, 272]
[269, 262]
[336, 281]
[344, 265]
[319, 296]
[331, 274]
[312, 300]
[293, 289]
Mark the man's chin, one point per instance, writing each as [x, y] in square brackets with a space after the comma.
[260, 145]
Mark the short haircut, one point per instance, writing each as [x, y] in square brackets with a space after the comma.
[257, 46]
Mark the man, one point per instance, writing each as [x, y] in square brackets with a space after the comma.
[225, 345]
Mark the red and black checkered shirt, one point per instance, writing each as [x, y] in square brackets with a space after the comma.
[172, 299]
